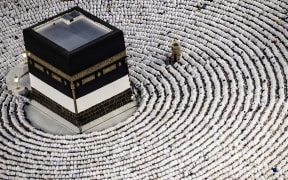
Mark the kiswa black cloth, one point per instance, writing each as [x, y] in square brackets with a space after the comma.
[96, 58]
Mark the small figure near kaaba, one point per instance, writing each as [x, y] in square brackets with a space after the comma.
[136, 94]
[176, 52]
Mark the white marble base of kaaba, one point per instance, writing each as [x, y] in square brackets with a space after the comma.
[48, 121]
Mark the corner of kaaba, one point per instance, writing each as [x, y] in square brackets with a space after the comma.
[77, 66]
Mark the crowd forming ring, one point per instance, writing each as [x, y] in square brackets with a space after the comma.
[220, 112]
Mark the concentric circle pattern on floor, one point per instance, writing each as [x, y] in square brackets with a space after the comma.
[219, 113]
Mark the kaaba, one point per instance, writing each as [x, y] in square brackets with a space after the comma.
[77, 66]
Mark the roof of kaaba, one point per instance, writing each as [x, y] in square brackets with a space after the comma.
[73, 40]
[72, 30]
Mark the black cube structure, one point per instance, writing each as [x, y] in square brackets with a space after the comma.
[77, 66]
